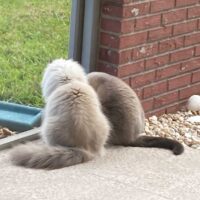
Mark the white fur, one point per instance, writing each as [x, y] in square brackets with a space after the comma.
[194, 103]
[61, 72]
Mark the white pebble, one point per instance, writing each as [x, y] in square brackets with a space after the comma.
[194, 119]
[194, 103]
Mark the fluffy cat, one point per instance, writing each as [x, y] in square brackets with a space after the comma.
[74, 128]
[125, 113]
[61, 72]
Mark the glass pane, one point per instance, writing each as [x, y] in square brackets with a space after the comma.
[32, 33]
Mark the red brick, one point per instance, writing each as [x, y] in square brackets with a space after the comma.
[176, 107]
[192, 39]
[133, 40]
[144, 51]
[125, 56]
[171, 44]
[174, 16]
[143, 79]
[136, 10]
[189, 91]
[185, 27]
[156, 62]
[160, 33]
[102, 67]
[121, 1]
[168, 71]
[166, 99]
[127, 26]
[109, 55]
[167, 45]
[147, 104]
[131, 69]
[187, 66]
[148, 22]
[139, 92]
[194, 12]
[157, 88]
[179, 81]
[190, 65]
[111, 25]
[110, 9]
[172, 109]
[179, 42]
[109, 40]
[197, 51]
[161, 5]
[185, 2]
[129, 55]
[156, 112]
[126, 80]
[199, 24]
[182, 55]
[196, 76]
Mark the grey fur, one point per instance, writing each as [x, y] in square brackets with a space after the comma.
[124, 110]
[74, 128]
[47, 157]
[61, 72]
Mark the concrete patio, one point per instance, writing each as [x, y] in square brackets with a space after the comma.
[122, 174]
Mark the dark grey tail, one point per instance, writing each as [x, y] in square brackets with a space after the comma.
[48, 157]
[159, 142]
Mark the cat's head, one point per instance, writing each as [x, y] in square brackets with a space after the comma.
[60, 72]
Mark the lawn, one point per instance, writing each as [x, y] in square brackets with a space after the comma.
[32, 33]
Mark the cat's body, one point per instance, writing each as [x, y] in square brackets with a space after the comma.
[125, 113]
[73, 118]
[74, 128]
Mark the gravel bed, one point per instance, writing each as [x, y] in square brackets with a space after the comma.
[181, 126]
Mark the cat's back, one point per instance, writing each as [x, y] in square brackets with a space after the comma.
[74, 110]
[112, 89]
[74, 98]
[120, 104]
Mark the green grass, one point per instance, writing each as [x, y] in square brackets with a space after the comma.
[32, 33]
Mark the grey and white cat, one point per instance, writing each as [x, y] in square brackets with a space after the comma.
[125, 113]
[74, 128]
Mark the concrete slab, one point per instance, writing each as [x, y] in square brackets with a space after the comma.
[123, 173]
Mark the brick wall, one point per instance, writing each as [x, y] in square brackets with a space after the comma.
[154, 46]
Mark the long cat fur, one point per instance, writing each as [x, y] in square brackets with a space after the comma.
[74, 128]
[60, 72]
[125, 113]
